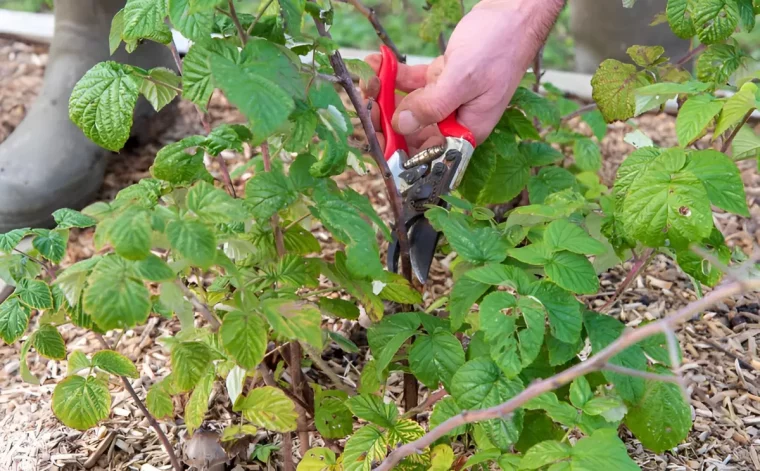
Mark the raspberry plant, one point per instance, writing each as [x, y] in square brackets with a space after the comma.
[181, 243]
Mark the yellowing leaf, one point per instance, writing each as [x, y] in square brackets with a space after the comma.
[613, 87]
[269, 408]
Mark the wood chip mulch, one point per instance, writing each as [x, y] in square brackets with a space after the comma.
[721, 357]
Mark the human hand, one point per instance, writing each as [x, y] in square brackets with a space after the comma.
[484, 62]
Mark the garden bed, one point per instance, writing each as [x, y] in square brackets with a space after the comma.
[721, 367]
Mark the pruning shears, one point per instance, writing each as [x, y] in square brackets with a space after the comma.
[423, 178]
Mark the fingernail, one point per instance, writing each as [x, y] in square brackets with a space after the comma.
[407, 123]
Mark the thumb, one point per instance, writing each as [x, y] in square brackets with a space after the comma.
[429, 105]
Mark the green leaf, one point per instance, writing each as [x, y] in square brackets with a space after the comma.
[549, 180]
[602, 331]
[435, 358]
[545, 453]
[115, 363]
[365, 447]
[269, 192]
[190, 360]
[244, 336]
[197, 85]
[269, 408]
[194, 241]
[49, 342]
[117, 28]
[721, 179]
[564, 235]
[718, 63]
[152, 268]
[67, 218]
[14, 319]
[573, 272]
[114, 297]
[735, 108]
[265, 103]
[587, 154]
[667, 204]
[145, 19]
[443, 410]
[441, 458]
[557, 410]
[680, 15]
[159, 402]
[34, 293]
[339, 308]
[474, 244]
[539, 153]
[292, 11]
[480, 384]
[174, 165]
[11, 239]
[536, 106]
[102, 103]
[565, 320]
[662, 418]
[214, 205]
[160, 87]
[372, 409]
[397, 289]
[602, 450]
[715, 20]
[580, 392]
[517, 123]
[197, 405]
[76, 362]
[194, 26]
[694, 116]
[646, 56]
[81, 403]
[464, 294]
[332, 418]
[318, 459]
[295, 320]
[130, 233]
[387, 336]
[613, 89]
[745, 145]
[498, 173]
[501, 275]
[50, 244]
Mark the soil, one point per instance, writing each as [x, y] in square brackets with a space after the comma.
[721, 357]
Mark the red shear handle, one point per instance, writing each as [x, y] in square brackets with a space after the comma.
[387, 101]
[450, 127]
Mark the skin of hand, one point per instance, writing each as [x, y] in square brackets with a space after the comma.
[485, 59]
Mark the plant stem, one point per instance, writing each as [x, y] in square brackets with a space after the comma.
[579, 111]
[689, 55]
[258, 17]
[279, 241]
[199, 306]
[296, 376]
[727, 143]
[236, 20]
[594, 363]
[152, 420]
[292, 224]
[371, 15]
[432, 398]
[537, 69]
[375, 152]
[316, 357]
[640, 374]
[639, 263]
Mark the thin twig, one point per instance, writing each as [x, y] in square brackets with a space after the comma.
[44, 266]
[640, 374]
[297, 382]
[258, 17]
[287, 452]
[371, 15]
[279, 242]
[292, 224]
[689, 55]
[443, 43]
[175, 56]
[339, 67]
[316, 357]
[594, 363]
[639, 263]
[727, 143]
[236, 20]
[579, 111]
[152, 420]
[537, 69]
[432, 398]
[200, 306]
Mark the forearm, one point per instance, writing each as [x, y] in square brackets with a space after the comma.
[535, 17]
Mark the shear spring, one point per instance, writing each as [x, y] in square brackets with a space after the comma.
[426, 156]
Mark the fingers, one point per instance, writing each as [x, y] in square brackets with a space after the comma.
[409, 78]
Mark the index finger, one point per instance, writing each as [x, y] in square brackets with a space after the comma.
[410, 77]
